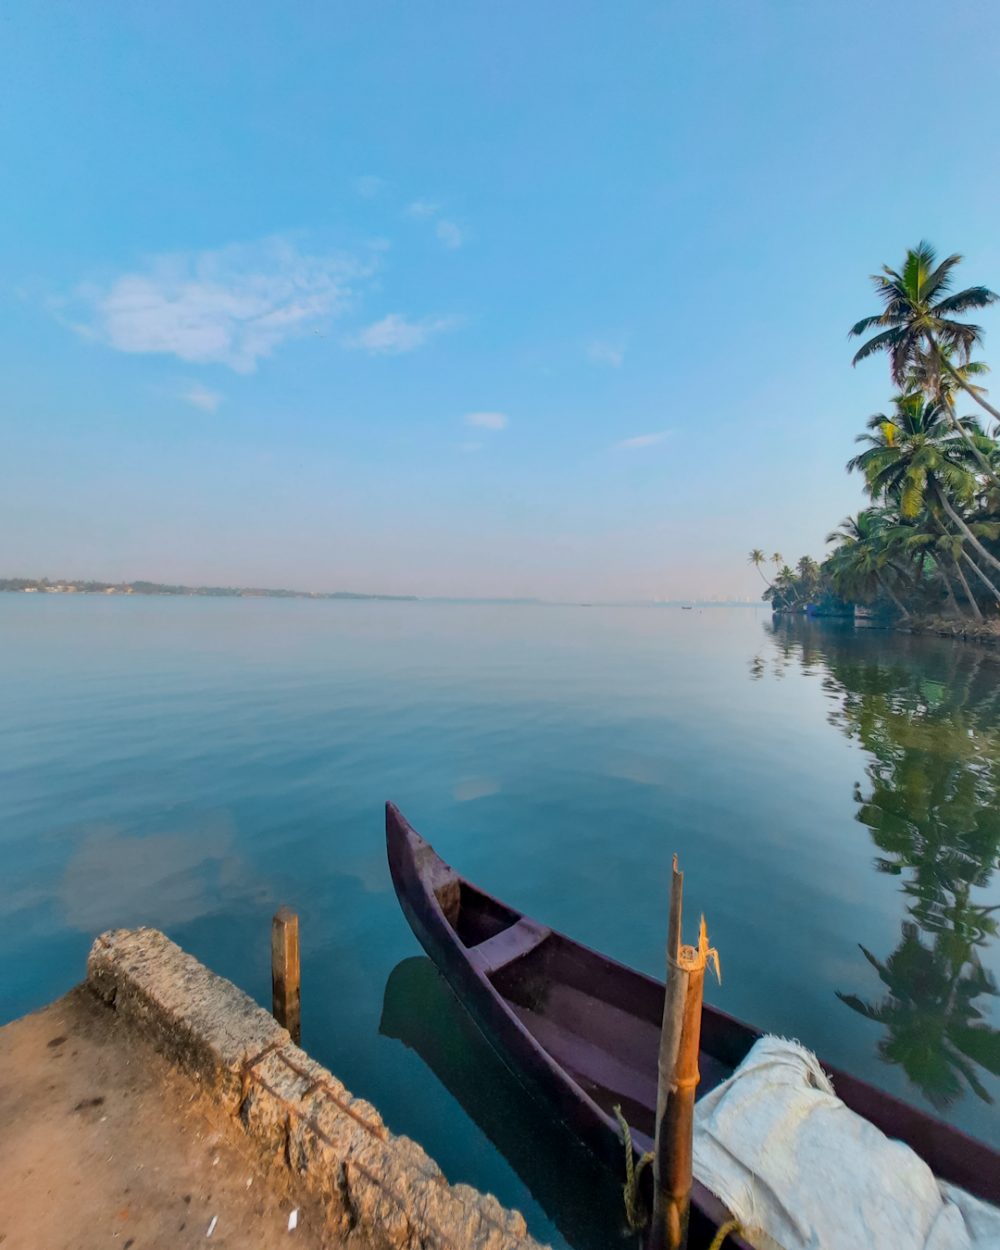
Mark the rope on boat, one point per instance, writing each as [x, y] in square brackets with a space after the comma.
[637, 1217]
[731, 1226]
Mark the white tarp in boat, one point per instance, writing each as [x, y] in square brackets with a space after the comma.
[801, 1171]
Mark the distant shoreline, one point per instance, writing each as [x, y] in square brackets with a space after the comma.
[80, 586]
[27, 585]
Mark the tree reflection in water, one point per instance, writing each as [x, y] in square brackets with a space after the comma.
[931, 801]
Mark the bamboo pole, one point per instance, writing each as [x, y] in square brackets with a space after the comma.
[286, 995]
[677, 1077]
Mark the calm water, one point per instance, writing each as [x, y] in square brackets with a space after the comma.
[833, 797]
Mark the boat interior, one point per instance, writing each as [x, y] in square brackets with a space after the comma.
[599, 1023]
[597, 1020]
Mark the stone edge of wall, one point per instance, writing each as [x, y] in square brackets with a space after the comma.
[336, 1145]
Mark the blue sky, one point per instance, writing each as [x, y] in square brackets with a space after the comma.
[463, 298]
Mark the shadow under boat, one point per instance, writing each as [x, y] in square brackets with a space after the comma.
[576, 1193]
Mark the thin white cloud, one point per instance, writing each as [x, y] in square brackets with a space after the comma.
[423, 208]
[201, 397]
[449, 234]
[395, 334]
[368, 186]
[606, 352]
[643, 440]
[232, 307]
[487, 420]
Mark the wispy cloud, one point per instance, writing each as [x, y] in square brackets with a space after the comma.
[607, 352]
[232, 307]
[487, 420]
[395, 334]
[423, 208]
[368, 186]
[449, 234]
[201, 397]
[643, 440]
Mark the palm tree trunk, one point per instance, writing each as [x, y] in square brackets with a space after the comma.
[956, 425]
[994, 591]
[889, 591]
[959, 428]
[968, 593]
[948, 586]
[983, 403]
[966, 532]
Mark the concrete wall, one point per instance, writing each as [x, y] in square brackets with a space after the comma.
[335, 1144]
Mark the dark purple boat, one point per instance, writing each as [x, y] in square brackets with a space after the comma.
[581, 1031]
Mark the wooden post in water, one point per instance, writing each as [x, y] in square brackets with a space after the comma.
[677, 1077]
[286, 1001]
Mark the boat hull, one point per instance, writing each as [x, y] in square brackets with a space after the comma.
[422, 880]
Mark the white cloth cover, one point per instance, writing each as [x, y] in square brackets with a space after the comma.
[801, 1171]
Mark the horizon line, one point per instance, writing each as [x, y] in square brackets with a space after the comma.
[144, 586]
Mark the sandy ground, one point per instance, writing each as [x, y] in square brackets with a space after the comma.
[104, 1144]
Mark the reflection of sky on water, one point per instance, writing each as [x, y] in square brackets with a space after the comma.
[158, 879]
[471, 788]
[113, 879]
[193, 763]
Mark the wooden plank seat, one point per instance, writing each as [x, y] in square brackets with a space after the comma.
[510, 944]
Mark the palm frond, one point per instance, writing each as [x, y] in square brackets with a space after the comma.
[971, 297]
[880, 343]
[918, 268]
[864, 325]
[938, 279]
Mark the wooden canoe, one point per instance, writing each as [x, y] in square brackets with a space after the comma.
[581, 1032]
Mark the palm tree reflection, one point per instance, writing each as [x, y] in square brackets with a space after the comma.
[934, 1029]
[931, 801]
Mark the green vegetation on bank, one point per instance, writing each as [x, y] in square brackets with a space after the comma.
[928, 545]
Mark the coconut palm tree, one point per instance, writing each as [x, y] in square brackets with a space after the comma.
[785, 582]
[862, 558]
[918, 330]
[807, 569]
[928, 377]
[928, 537]
[757, 558]
[918, 316]
[914, 457]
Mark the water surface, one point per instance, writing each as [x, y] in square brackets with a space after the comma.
[832, 794]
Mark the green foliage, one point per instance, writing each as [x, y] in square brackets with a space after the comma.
[930, 540]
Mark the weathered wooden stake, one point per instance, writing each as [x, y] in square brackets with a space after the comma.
[286, 1002]
[677, 1077]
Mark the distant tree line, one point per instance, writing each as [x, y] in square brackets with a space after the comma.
[160, 588]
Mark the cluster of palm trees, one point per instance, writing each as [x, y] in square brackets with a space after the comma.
[789, 588]
[929, 542]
